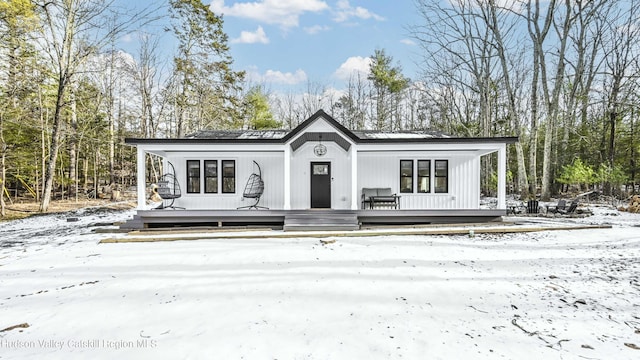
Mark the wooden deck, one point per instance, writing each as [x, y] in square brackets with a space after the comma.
[305, 219]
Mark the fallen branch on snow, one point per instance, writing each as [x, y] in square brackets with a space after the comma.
[23, 325]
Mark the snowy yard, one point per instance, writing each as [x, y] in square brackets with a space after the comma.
[545, 295]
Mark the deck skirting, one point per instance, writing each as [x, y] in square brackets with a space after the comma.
[313, 219]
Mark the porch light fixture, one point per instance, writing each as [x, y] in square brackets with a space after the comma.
[320, 150]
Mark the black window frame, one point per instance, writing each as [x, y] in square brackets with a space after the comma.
[436, 177]
[190, 189]
[402, 176]
[207, 177]
[225, 177]
[420, 177]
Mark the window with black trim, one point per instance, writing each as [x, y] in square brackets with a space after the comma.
[228, 176]
[211, 176]
[193, 176]
[441, 176]
[406, 176]
[424, 176]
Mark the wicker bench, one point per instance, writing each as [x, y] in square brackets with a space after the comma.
[379, 196]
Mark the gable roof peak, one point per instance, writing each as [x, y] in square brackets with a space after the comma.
[328, 118]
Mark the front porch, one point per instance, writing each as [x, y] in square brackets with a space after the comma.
[317, 219]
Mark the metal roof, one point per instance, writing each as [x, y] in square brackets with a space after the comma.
[357, 136]
[238, 134]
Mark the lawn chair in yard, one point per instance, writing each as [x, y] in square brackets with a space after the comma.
[533, 207]
[572, 208]
[560, 206]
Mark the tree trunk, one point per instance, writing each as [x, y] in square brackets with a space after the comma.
[523, 184]
[552, 104]
[111, 110]
[3, 174]
[96, 185]
[73, 148]
[56, 131]
[85, 173]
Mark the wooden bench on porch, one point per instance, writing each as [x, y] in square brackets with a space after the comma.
[379, 196]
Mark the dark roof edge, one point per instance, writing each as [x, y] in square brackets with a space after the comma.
[134, 141]
[506, 140]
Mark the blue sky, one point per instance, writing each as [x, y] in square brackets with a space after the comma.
[285, 44]
[290, 42]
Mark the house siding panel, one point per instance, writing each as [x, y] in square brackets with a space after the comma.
[340, 173]
[382, 169]
[271, 163]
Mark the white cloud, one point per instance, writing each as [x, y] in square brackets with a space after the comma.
[276, 77]
[285, 13]
[248, 37]
[127, 38]
[408, 42]
[344, 11]
[352, 66]
[312, 30]
[285, 78]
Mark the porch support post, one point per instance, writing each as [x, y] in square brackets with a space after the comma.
[502, 177]
[354, 178]
[287, 177]
[141, 172]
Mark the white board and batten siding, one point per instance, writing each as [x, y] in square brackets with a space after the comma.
[271, 164]
[379, 169]
[340, 160]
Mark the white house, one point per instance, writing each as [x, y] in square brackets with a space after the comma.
[322, 165]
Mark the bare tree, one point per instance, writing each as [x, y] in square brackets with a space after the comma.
[351, 108]
[73, 31]
[313, 99]
[145, 74]
[459, 53]
[287, 110]
[491, 16]
[552, 96]
[622, 55]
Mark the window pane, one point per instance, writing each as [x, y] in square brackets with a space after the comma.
[406, 167]
[406, 184]
[194, 168]
[406, 176]
[211, 168]
[441, 185]
[211, 185]
[228, 169]
[194, 185]
[211, 176]
[442, 176]
[441, 167]
[423, 184]
[193, 176]
[228, 176]
[424, 167]
[320, 170]
[228, 185]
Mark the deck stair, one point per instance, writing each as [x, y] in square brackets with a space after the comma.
[318, 220]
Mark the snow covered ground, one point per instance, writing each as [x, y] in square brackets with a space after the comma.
[545, 295]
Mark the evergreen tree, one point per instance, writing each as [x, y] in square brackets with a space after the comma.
[388, 82]
[17, 21]
[205, 85]
[257, 111]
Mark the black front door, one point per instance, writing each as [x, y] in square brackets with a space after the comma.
[321, 185]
